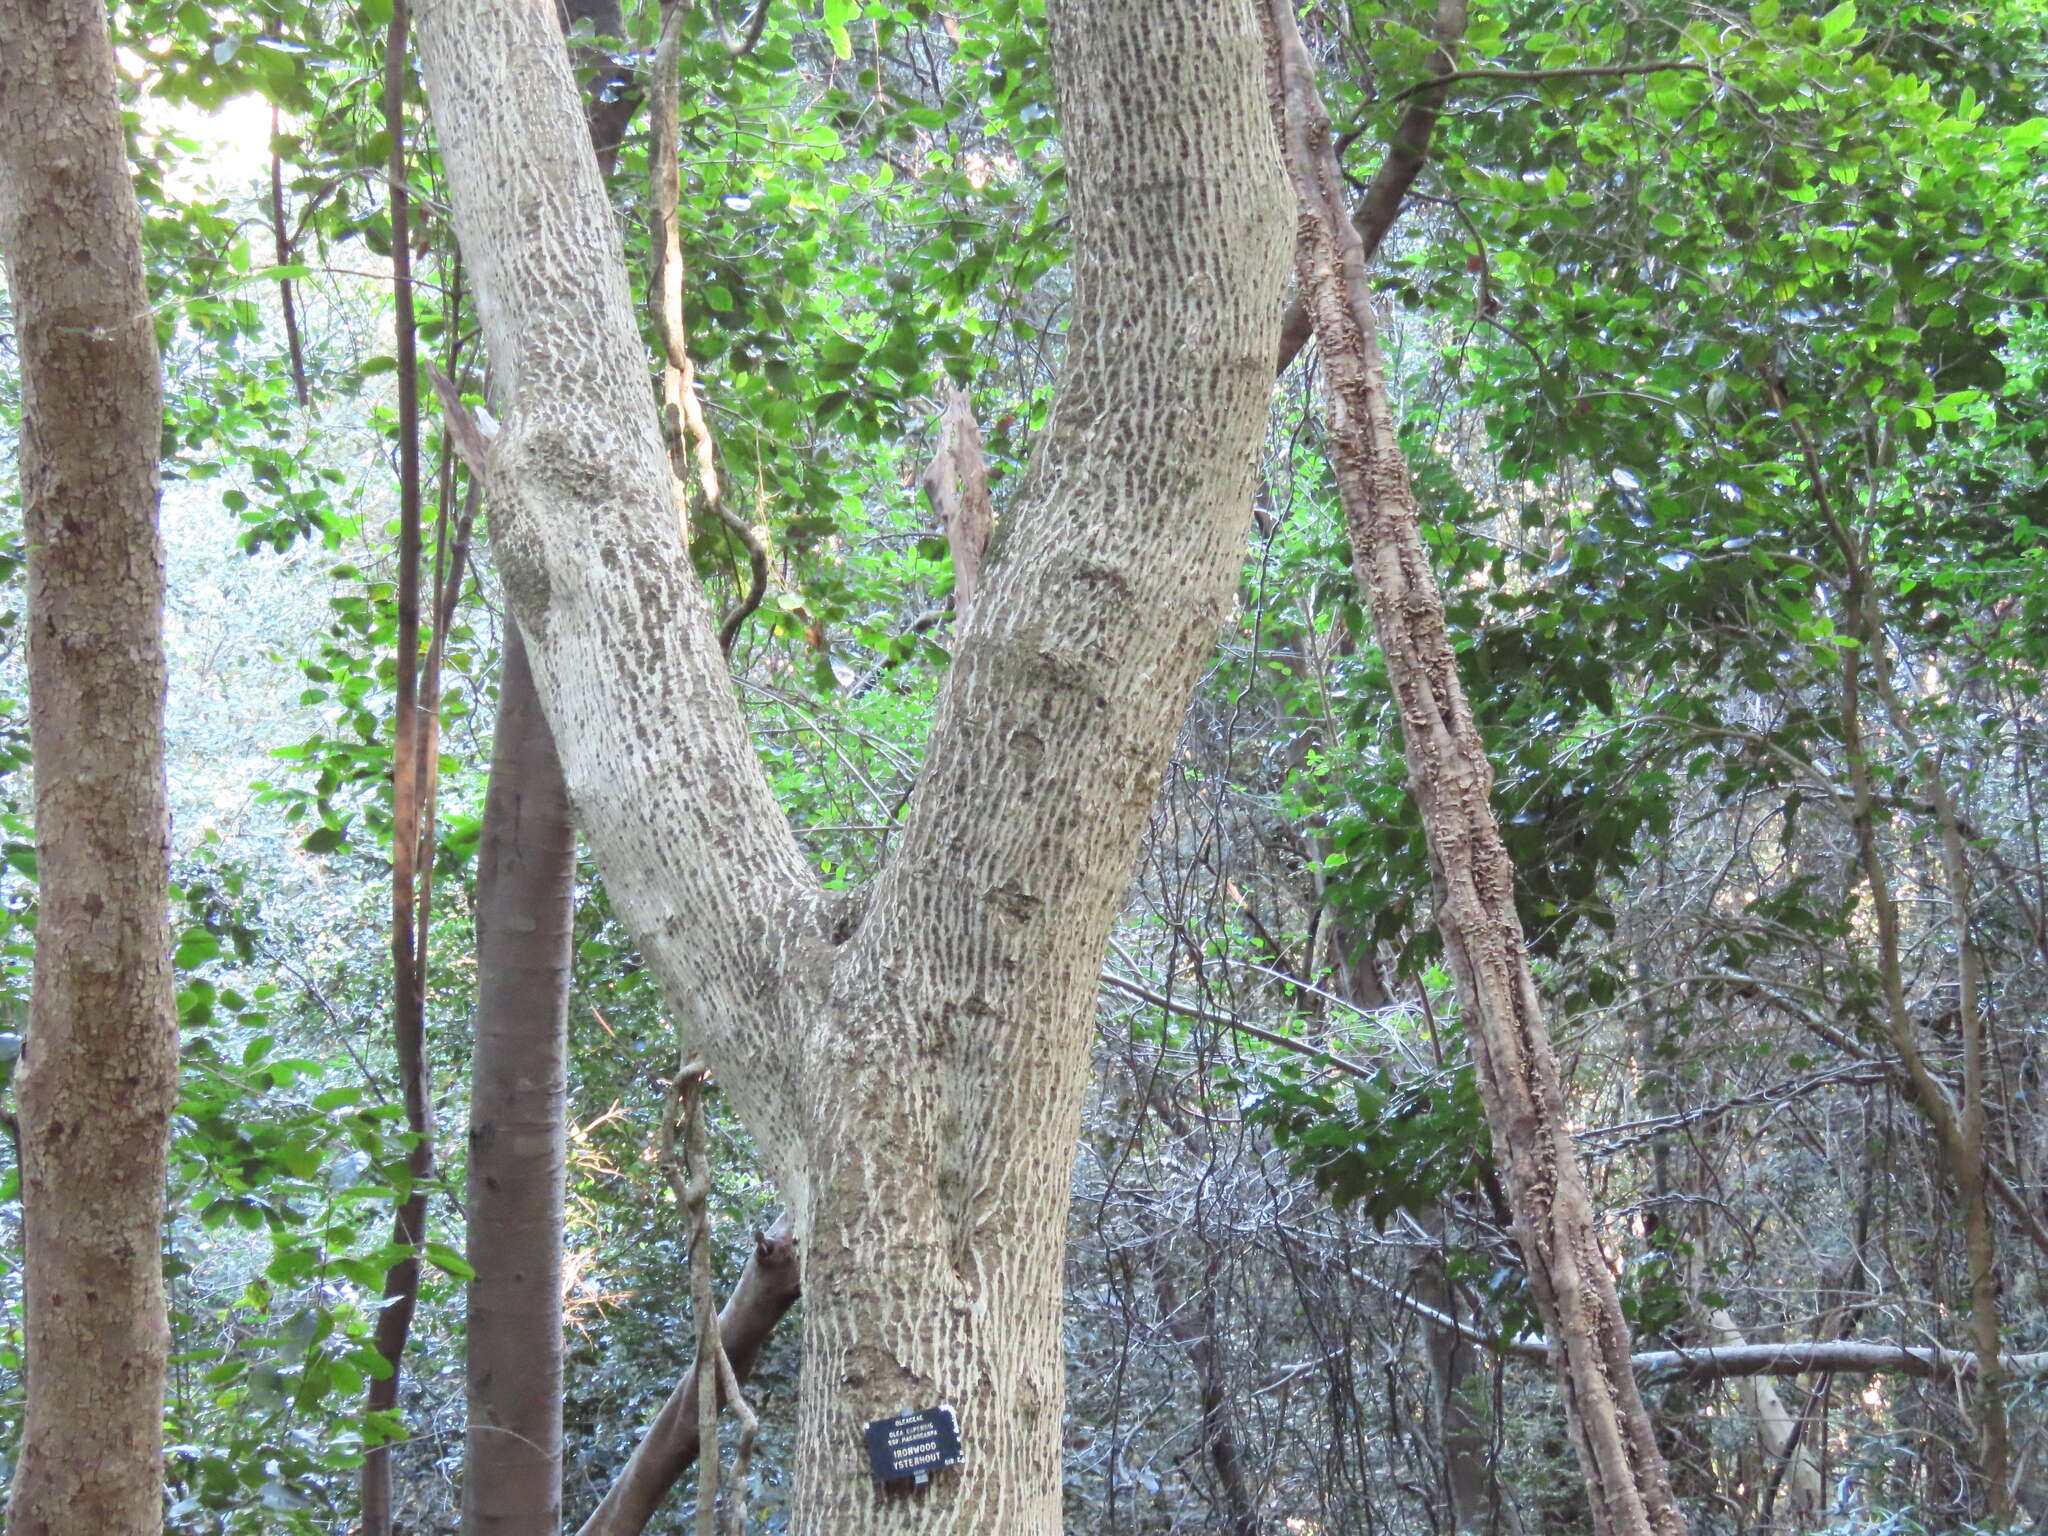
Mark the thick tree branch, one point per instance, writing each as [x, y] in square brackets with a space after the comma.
[767, 1288]
[696, 852]
[1799, 1357]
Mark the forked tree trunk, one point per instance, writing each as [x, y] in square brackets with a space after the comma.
[911, 1068]
[100, 1071]
[1475, 884]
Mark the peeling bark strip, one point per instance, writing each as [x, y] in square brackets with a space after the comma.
[914, 1079]
[1451, 781]
[956, 484]
[100, 1070]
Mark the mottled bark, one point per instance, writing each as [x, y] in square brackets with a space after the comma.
[518, 1152]
[1451, 781]
[913, 1070]
[100, 1067]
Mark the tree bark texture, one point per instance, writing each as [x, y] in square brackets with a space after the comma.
[512, 1481]
[912, 1064]
[1475, 884]
[767, 1288]
[1380, 205]
[518, 1145]
[100, 1071]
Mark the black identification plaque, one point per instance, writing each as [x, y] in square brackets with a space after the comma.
[911, 1446]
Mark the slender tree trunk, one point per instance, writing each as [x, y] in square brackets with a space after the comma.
[911, 1067]
[1463, 1436]
[518, 1150]
[100, 1071]
[1475, 899]
[526, 868]
[408, 960]
[1194, 1326]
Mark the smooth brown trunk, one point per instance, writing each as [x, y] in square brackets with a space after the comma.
[526, 871]
[99, 1074]
[1475, 883]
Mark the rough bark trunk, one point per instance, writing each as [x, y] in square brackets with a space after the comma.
[100, 1070]
[518, 1152]
[1451, 781]
[767, 1288]
[912, 1070]
[526, 867]
[1379, 207]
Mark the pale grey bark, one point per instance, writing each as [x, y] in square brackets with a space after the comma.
[100, 1066]
[912, 1071]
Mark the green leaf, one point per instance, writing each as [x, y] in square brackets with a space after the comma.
[2027, 134]
[448, 1261]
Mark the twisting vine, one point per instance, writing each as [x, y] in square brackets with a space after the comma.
[682, 411]
[689, 1176]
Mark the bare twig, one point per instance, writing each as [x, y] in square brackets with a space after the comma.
[1531, 76]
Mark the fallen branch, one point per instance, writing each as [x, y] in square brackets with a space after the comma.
[1839, 1357]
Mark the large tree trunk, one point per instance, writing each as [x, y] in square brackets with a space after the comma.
[518, 1147]
[100, 1074]
[512, 1477]
[912, 1071]
[1475, 883]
